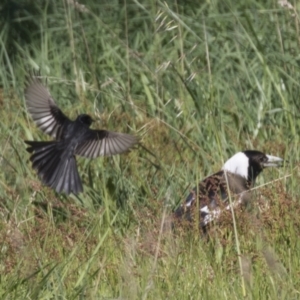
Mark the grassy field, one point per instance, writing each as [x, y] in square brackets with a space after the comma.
[197, 82]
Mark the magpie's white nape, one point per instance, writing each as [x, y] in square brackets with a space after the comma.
[236, 177]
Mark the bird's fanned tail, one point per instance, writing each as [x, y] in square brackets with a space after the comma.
[54, 169]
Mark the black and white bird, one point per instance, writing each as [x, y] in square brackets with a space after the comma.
[55, 160]
[235, 179]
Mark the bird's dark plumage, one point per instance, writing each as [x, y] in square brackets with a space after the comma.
[55, 160]
[237, 177]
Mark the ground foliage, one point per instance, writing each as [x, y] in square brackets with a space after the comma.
[197, 81]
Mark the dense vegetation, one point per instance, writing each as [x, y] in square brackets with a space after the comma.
[198, 81]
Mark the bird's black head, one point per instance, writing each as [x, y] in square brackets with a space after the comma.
[257, 161]
[85, 119]
[250, 163]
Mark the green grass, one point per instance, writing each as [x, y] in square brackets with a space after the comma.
[198, 83]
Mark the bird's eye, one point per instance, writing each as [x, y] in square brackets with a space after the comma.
[262, 159]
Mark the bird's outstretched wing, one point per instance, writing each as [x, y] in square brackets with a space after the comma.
[102, 142]
[43, 108]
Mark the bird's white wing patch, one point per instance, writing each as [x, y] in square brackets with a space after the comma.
[214, 214]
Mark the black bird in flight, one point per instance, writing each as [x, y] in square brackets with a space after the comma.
[55, 160]
[236, 178]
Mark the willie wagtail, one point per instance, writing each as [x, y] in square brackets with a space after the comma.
[55, 160]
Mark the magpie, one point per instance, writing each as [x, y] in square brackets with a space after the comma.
[234, 180]
[55, 160]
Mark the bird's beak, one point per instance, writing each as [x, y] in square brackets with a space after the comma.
[273, 161]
